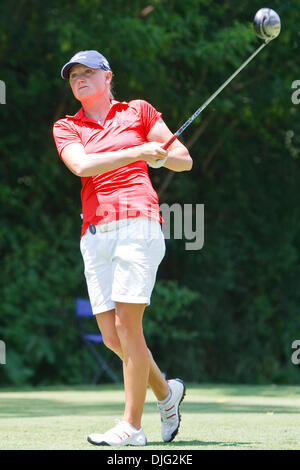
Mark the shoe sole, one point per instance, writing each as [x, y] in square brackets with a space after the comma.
[174, 434]
[104, 443]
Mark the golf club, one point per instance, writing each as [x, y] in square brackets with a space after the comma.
[267, 26]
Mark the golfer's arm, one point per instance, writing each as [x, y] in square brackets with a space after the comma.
[81, 164]
[179, 158]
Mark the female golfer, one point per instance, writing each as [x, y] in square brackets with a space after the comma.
[109, 144]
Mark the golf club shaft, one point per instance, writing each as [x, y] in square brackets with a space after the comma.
[212, 97]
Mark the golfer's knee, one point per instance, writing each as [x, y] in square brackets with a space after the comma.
[112, 342]
[125, 331]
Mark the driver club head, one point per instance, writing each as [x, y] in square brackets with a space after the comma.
[267, 24]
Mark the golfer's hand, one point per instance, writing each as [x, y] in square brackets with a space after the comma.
[153, 153]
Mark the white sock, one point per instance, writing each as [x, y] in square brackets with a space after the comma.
[133, 428]
[165, 400]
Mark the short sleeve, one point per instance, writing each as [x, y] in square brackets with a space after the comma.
[149, 115]
[64, 134]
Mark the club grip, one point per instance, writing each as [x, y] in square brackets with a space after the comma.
[167, 144]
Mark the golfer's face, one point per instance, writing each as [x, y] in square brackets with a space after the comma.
[87, 83]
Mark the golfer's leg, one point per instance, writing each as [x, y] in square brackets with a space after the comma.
[157, 381]
[106, 323]
[136, 360]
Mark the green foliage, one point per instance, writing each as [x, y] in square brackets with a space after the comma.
[227, 312]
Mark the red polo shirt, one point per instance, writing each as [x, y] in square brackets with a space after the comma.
[125, 191]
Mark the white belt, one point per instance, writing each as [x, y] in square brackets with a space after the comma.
[109, 226]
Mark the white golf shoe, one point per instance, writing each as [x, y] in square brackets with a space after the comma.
[169, 412]
[123, 434]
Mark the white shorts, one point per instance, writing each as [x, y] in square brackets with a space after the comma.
[121, 260]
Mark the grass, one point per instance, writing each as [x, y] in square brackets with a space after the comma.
[234, 417]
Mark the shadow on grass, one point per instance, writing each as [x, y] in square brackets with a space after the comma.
[198, 443]
[38, 407]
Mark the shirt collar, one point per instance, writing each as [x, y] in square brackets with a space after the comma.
[80, 116]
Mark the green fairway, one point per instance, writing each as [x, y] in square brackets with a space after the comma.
[213, 417]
